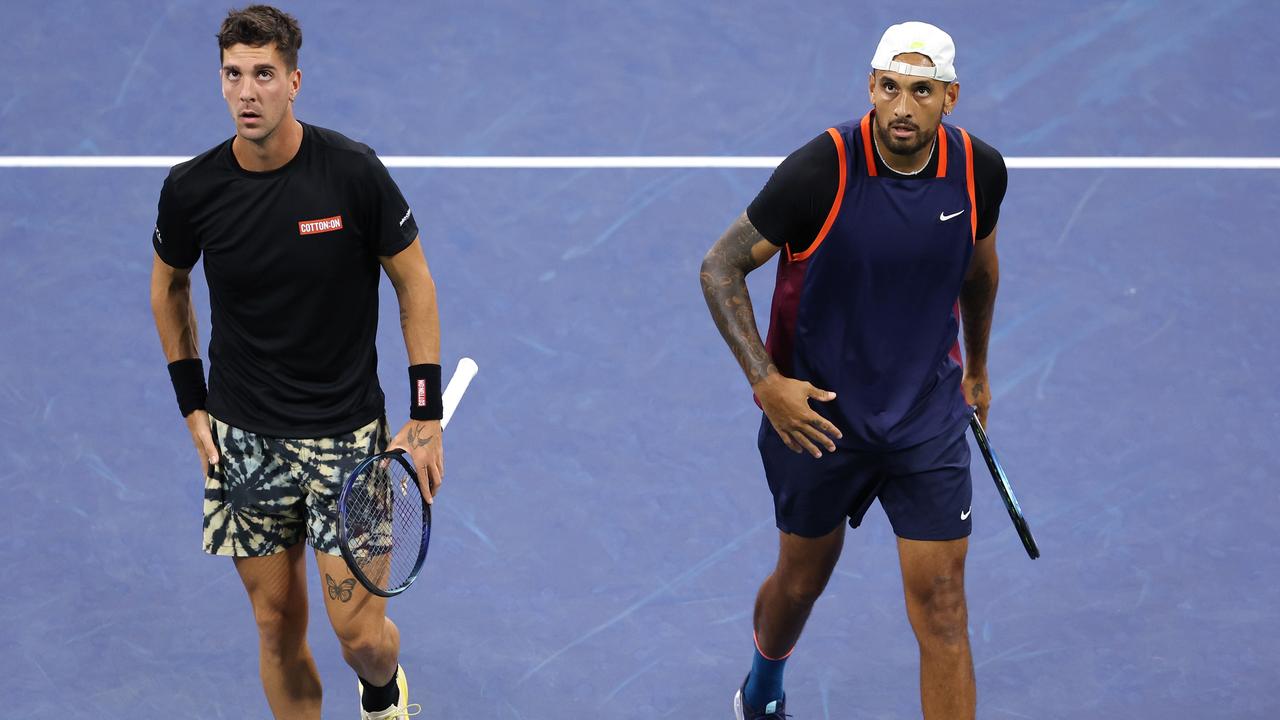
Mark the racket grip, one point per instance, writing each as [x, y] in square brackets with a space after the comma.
[453, 393]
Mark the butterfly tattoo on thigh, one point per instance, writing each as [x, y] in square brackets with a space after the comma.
[339, 591]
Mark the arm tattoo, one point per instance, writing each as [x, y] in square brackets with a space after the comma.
[977, 304]
[724, 286]
[418, 439]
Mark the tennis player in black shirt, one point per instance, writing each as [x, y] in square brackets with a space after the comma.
[295, 224]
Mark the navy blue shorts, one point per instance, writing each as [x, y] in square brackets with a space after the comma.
[925, 490]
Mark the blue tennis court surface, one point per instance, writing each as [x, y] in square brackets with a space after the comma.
[605, 522]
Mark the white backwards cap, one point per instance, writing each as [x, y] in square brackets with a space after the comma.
[917, 37]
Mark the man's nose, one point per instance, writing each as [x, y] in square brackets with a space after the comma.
[902, 108]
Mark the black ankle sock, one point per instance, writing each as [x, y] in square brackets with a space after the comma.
[380, 698]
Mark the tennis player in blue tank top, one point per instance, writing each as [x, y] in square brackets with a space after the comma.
[886, 227]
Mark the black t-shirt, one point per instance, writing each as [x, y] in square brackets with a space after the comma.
[291, 259]
[794, 203]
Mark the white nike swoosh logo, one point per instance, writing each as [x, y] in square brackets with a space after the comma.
[965, 515]
[944, 218]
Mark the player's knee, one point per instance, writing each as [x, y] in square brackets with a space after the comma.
[281, 630]
[804, 589]
[359, 641]
[943, 613]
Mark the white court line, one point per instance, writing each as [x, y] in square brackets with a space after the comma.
[656, 161]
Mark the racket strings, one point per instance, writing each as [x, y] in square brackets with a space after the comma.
[385, 523]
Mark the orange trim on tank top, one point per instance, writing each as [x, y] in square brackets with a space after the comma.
[968, 179]
[835, 206]
[867, 147]
[942, 151]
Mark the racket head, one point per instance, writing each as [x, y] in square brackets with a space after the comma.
[384, 523]
[1005, 489]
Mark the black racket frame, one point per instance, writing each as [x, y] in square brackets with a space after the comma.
[398, 456]
[1005, 489]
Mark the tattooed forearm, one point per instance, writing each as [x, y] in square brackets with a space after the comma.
[977, 305]
[418, 437]
[724, 286]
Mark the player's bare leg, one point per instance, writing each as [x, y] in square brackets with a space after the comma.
[933, 581]
[370, 641]
[277, 587]
[788, 594]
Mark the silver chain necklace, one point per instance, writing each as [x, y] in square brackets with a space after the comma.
[876, 142]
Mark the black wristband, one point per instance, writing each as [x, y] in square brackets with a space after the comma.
[188, 384]
[424, 392]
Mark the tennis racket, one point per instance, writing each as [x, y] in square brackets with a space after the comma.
[384, 522]
[1006, 490]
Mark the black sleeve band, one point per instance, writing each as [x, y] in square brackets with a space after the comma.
[424, 392]
[188, 384]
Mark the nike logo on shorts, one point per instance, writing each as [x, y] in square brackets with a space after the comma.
[943, 217]
[965, 515]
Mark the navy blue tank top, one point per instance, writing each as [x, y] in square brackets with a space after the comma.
[870, 309]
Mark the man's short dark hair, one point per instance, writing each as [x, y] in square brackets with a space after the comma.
[259, 25]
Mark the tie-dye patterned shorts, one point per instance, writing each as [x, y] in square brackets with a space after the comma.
[267, 494]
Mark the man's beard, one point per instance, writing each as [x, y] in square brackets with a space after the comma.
[904, 147]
